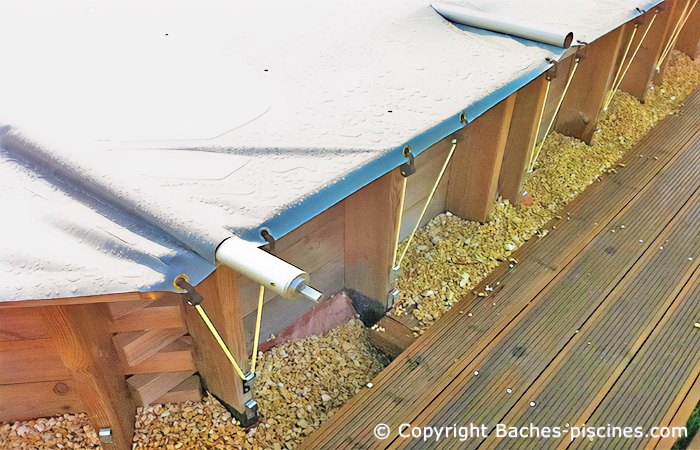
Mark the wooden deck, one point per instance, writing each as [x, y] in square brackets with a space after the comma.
[594, 326]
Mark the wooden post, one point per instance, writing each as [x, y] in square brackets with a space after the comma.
[639, 76]
[220, 301]
[83, 339]
[476, 164]
[371, 221]
[594, 76]
[689, 38]
[677, 8]
[522, 136]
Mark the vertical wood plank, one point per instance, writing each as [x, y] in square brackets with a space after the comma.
[371, 216]
[220, 301]
[677, 8]
[522, 137]
[476, 164]
[639, 76]
[593, 79]
[689, 38]
[83, 340]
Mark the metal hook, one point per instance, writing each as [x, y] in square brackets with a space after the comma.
[409, 168]
[192, 297]
[265, 233]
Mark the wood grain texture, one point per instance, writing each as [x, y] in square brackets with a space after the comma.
[675, 17]
[370, 226]
[175, 357]
[149, 318]
[43, 399]
[188, 390]
[107, 298]
[148, 387]
[641, 72]
[220, 293]
[559, 73]
[119, 309]
[594, 76]
[689, 38]
[395, 338]
[137, 346]
[522, 136]
[428, 166]
[476, 164]
[30, 361]
[437, 206]
[19, 324]
[83, 340]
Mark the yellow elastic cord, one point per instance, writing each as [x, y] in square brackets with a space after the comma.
[676, 32]
[400, 219]
[554, 117]
[629, 64]
[220, 341]
[539, 122]
[427, 203]
[258, 320]
[608, 96]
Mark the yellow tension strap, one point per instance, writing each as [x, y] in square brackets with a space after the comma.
[539, 122]
[220, 341]
[258, 320]
[554, 116]
[676, 31]
[400, 219]
[629, 64]
[427, 203]
[608, 97]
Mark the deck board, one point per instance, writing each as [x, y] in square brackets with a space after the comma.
[523, 354]
[657, 379]
[581, 276]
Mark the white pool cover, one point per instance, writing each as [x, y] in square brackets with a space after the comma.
[136, 136]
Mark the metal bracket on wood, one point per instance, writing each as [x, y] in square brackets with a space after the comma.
[248, 417]
[408, 168]
[251, 413]
[394, 274]
[105, 435]
[391, 298]
[265, 233]
[552, 73]
[248, 382]
[192, 297]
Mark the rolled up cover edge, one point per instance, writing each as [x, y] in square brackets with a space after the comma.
[247, 259]
[491, 22]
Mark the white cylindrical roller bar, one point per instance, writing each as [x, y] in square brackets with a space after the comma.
[266, 269]
[491, 22]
